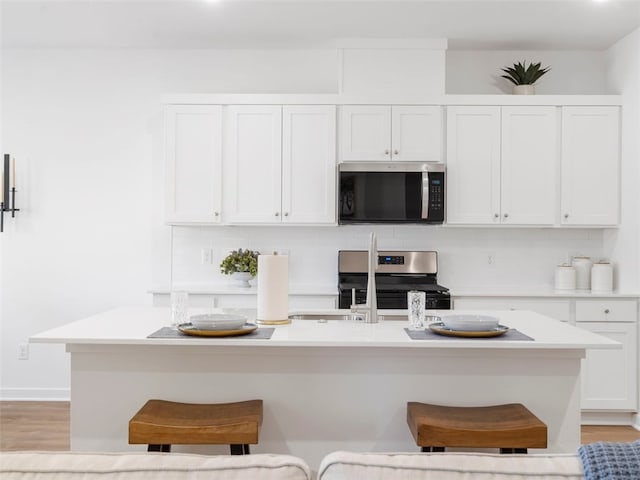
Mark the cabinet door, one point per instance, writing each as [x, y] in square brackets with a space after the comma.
[309, 164]
[365, 133]
[528, 166]
[416, 133]
[590, 193]
[193, 155]
[253, 155]
[473, 165]
[610, 377]
[556, 308]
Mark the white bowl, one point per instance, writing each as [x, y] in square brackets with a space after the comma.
[218, 321]
[470, 323]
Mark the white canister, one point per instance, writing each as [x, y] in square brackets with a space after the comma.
[565, 277]
[583, 272]
[602, 277]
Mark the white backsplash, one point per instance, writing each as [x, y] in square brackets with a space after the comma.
[467, 257]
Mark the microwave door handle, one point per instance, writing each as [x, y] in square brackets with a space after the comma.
[425, 195]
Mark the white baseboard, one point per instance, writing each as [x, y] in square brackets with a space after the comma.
[608, 418]
[35, 394]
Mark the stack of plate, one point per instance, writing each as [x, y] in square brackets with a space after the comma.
[218, 321]
[470, 323]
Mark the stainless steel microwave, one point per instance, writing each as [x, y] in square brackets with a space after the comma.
[391, 192]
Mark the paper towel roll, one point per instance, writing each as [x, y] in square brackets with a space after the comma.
[273, 288]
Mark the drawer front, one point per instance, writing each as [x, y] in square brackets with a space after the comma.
[558, 309]
[606, 310]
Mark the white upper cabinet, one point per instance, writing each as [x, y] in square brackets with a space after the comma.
[384, 133]
[590, 166]
[529, 164]
[473, 165]
[280, 164]
[309, 164]
[252, 167]
[193, 149]
[501, 165]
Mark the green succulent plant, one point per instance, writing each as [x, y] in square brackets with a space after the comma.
[240, 261]
[520, 74]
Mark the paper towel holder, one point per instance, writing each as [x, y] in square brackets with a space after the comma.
[271, 321]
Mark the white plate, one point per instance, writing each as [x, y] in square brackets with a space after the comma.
[217, 321]
[470, 323]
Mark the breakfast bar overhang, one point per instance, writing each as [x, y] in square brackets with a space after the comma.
[326, 385]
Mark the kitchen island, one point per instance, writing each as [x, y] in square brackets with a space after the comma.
[326, 385]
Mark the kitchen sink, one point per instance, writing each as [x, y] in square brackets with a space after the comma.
[348, 316]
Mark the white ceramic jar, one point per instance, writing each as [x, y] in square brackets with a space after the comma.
[565, 278]
[583, 272]
[602, 277]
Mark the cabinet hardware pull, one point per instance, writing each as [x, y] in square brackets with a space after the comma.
[216, 214]
[396, 152]
[286, 214]
[506, 215]
[606, 310]
[277, 214]
[386, 152]
[566, 215]
[496, 215]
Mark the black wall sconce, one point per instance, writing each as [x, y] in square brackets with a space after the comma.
[8, 190]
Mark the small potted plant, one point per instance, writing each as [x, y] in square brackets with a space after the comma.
[242, 265]
[524, 77]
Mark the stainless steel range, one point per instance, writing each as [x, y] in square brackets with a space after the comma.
[397, 272]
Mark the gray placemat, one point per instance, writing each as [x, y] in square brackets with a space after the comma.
[426, 334]
[168, 332]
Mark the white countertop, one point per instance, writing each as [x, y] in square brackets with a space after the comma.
[132, 326]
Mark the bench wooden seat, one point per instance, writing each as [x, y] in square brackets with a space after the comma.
[512, 427]
[160, 424]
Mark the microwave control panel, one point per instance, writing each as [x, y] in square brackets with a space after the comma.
[436, 197]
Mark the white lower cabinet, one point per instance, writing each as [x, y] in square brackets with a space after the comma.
[610, 377]
[558, 309]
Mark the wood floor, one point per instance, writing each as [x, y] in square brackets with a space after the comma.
[45, 426]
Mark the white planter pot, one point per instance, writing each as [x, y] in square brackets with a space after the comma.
[524, 90]
[242, 279]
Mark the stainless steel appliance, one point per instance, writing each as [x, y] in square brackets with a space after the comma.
[397, 272]
[391, 192]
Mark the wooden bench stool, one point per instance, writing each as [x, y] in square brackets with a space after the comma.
[160, 424]
[512, 428]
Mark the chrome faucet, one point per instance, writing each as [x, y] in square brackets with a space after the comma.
[370, 308]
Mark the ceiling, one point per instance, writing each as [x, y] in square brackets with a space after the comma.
[470, 24]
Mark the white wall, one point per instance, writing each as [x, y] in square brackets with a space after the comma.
[479, 71]
[623, 68]
[520, 257]
[85, 129]
[82, 125]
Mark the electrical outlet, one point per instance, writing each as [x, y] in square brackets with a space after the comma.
[206, 256]
[23, 351]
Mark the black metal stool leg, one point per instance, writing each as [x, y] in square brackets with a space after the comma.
[236, 449]
[153, 447]
[246, 449]
[432, 449]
